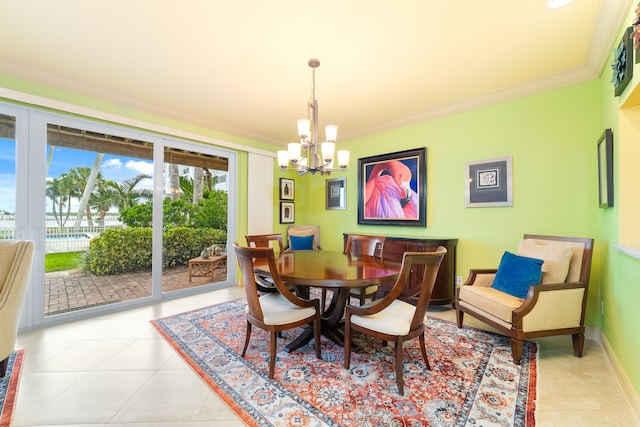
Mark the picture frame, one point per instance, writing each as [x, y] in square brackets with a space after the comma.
[622, 63]
[605, 169]
[287, 212]
[379, 177]
[336, 194]
[489, 182]
[287, 189]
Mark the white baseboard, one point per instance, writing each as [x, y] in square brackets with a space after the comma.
[627, 389]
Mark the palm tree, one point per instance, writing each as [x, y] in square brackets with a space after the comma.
[174, 181]
[103, 198]
[126, 193]
[61, 190]
[198, 183]
[88, 178]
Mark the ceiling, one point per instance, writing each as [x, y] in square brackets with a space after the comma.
[241, 66]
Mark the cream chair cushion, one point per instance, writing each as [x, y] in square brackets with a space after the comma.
[277, 310]
[393, 320]
[490, 300]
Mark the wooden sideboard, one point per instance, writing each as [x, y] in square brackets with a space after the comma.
[444, 291]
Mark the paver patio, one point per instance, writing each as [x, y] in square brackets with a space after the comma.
[74, 290]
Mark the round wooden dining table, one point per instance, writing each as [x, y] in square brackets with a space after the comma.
[335, 271]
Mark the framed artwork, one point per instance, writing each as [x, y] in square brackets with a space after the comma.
[287, 188]
[336, 193]
[605, 169]
[287, 212]
[489, 183]
[622, 62]
[392, 188]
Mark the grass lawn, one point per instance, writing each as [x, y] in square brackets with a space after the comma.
[62, 261]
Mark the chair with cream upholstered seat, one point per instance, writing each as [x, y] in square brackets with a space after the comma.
[16, 257]
[275, 311]
[264, 283]
[540, 291]
[393, 319]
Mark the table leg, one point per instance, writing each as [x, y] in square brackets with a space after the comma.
[330, 324]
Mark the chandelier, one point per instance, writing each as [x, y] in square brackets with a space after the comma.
[303, 156]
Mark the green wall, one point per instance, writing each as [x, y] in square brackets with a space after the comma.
[552, 138]
[620, 273]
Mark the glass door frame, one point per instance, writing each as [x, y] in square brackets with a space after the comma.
[31, 146]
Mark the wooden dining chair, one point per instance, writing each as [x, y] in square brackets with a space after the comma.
[365, 245]
[275, 311]
[265, 283]
[265, 241]
[391, 318]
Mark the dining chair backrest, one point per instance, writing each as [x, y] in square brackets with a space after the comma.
[364, 245]
[265, 241]
[427, 265]
[246, 258]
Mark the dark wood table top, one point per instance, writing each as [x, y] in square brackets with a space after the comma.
[328, 269]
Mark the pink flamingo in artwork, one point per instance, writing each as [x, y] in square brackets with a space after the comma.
[388, 192]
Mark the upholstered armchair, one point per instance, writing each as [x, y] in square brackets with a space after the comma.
[15, 269]
[540, 291]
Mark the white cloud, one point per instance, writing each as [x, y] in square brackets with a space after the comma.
[140, 166]
[112, 163]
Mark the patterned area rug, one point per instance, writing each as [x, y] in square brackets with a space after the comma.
[9, 388]
[472, 379]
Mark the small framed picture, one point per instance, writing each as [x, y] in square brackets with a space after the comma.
[337, 193]
[489, 183]
[287, 189]
[287, 213]
[605, 169]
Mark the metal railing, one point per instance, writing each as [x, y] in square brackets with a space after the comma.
[62, 239]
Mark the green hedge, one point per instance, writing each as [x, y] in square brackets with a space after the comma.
[129, 249]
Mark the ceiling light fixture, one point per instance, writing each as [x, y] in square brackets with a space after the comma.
[303, 155]
[556, 4]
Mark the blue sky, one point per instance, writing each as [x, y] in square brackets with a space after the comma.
[116, 168]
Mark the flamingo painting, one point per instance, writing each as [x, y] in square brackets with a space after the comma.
[388, 192]
[392, 188]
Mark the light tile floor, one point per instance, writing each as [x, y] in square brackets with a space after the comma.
[116, 370]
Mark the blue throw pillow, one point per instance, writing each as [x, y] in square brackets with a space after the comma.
[516, 273]
[302, 243]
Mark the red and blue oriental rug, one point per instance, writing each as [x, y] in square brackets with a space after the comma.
[9, 387]
[472, 381]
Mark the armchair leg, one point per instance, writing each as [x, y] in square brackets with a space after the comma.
[347, 344]
[423, 347]
[246, 340]
[459, 318]
[516, 350]
[399, 366]
[316, 336]
[272, 353]
[578, 344]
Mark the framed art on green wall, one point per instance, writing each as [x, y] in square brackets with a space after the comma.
[392, 188]
[605, 169]
[489, 183]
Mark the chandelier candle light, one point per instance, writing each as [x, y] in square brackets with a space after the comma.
[303, 155]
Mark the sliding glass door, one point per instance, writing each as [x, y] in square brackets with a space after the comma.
[117, 214]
